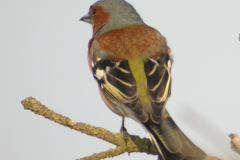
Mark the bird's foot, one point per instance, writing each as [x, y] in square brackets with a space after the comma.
[123, 130]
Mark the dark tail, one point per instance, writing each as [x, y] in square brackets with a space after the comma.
[170, 141]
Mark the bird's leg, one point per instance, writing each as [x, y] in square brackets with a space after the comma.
[123, 130]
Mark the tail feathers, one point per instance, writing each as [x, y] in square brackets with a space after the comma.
[170, 141]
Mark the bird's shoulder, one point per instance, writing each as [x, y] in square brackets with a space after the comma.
[129, 42]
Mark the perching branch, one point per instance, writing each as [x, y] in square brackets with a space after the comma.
[134, 143]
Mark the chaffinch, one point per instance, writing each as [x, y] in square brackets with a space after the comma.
[131, 63]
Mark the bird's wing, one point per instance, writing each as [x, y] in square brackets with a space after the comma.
[120, 85]
[158, 73]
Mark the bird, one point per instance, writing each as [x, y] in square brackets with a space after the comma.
[131, 62]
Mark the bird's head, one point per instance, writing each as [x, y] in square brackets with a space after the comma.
[106, 15]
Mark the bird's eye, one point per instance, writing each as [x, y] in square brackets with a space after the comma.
[94, 11]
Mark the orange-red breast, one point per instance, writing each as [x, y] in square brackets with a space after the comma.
[131, 63]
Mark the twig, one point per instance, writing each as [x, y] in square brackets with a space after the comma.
[134, 143]
[235, 143]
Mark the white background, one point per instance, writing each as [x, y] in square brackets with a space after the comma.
[43, 54]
